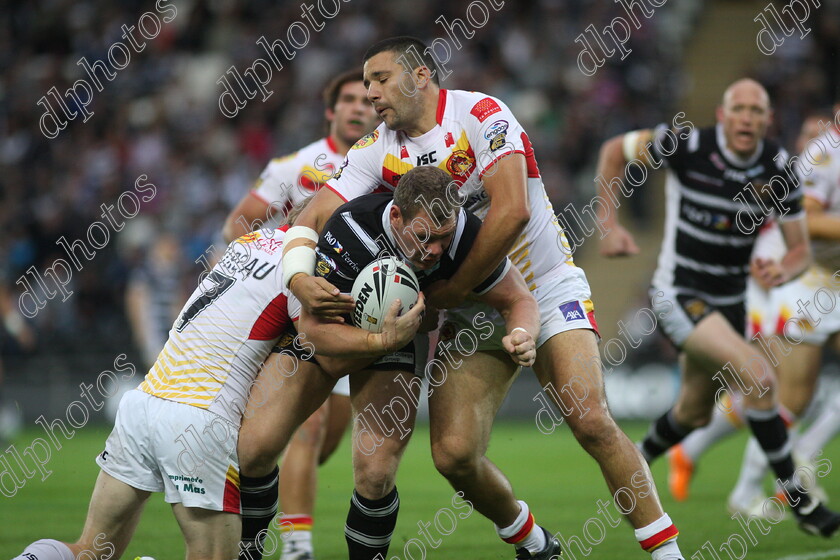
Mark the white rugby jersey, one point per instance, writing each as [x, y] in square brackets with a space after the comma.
[287, 181]
[473, 131]
[821, 181]
[226, 329]
[823, 185]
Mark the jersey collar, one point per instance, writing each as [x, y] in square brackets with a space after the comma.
[331, 145]
[441, 106]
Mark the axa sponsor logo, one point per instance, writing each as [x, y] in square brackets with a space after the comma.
[572, 311]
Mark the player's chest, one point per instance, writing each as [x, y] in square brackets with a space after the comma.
[450, 151]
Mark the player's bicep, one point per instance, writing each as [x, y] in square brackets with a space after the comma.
[319, 210]
[506, 182]
[506, 291]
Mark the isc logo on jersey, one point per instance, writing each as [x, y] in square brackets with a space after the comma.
[572, 311]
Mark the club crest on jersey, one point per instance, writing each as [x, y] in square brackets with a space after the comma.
[366, 140]
[460, 163]
[572, 311]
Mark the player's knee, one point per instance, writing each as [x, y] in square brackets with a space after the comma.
[454, 458]
[374, 479]
[595, 430]
[255, 461]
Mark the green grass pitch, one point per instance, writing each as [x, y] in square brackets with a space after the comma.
[560, 482]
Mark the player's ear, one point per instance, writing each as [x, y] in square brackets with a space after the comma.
[422, 76]
[719, 113]
[329, 114]
[395, 214]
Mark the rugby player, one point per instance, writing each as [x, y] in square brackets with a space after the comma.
[477, 140]
[703, 266]
[385, 395]
[285, 183]
[787, 311]
[177, 432]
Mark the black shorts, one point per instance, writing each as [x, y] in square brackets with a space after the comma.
[680, 313]
[299, 348]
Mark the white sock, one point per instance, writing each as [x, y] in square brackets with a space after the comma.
[754, 467]
[46, 549]
[534, 541]
[823, 428]
[660, 530]
[668, 551]
[297, 541]
[698, 441]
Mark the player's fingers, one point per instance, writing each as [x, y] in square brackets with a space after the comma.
[508, 345]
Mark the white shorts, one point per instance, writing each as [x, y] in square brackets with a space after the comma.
[342, 387]
[806, 309]
[184, 451]
[564, 304]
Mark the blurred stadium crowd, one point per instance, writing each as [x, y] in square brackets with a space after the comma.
[160, 117]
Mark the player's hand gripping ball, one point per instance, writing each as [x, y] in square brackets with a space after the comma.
[377, 286]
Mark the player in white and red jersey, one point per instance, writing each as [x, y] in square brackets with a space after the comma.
[479, 142]
[285, 183]
[177, 432]
[796, 316]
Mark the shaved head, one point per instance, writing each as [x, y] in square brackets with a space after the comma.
[745, 86]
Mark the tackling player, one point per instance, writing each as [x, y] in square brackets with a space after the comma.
[285, 183]
[177, 432]
[477, 140]
[710, 230]
[386, 394]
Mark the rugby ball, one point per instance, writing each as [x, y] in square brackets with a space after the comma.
[376, 288]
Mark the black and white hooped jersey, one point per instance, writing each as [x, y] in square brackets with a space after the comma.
[360, 231]
[716, 203]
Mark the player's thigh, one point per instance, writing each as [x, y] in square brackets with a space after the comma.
[715, 346]
[384, 406]
[568, 366]
[464, 403]
[798, 373]
[338, 419]
[286, 392]
[209, 535]
[113, 514]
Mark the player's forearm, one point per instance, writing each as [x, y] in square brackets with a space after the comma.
[611, 164]
[796, 260]
[337, 340]
[824, 226]
[523, 313]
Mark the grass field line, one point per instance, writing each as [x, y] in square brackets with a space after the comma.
[834, 553]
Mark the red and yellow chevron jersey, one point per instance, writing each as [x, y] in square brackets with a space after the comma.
[287, 181]
[226, 329]
[473, 131]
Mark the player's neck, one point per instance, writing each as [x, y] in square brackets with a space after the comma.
[428, 117]
[341, 147]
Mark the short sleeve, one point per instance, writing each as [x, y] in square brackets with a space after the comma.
[359, 173]
[493, 132]
[671, 145]
[819, 183]
[275, 183]
[787, 190]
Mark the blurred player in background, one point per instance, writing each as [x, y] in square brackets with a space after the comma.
[699, 287]
[791, 310]
[478, 141]
[285, 183]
